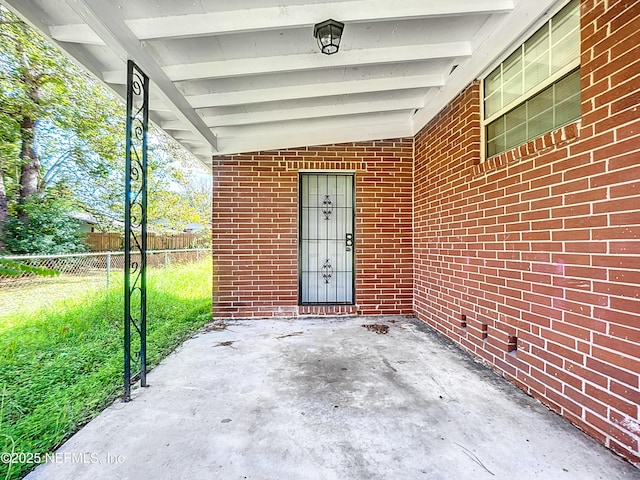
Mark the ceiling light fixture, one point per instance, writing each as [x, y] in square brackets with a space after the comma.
[328, 34]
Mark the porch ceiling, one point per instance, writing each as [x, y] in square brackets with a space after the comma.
[230, 77]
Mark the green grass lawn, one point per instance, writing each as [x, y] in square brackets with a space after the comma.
[49, 291]
[61, 364]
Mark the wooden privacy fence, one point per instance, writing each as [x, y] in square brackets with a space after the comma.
[110, 242]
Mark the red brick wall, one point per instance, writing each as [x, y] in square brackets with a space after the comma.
[531, 260]
[255, 222]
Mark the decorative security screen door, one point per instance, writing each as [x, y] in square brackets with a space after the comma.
[327, 244]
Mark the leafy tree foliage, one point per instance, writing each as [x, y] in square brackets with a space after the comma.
[44, 227]
[61, 129]
[10, 268]
[42, 91]
[179, 190]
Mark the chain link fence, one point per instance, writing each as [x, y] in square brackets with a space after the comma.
[32, 269]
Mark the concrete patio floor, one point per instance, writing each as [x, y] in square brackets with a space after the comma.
[329, 399]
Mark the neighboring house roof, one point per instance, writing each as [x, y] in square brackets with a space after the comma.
[193, 227]
[84, 217]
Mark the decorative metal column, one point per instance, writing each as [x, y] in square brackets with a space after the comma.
[135, 224]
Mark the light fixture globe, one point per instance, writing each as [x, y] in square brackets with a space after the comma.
[328, 34]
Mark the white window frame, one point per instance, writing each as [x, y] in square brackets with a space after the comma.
[565, 70]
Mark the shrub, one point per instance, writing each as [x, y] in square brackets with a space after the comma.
[42, 225]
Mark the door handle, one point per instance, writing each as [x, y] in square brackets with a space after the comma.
[349, 241]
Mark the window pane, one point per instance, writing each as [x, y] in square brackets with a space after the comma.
[516, 117]
[495, 129]
[512, 66]
[551, 49]
[494, 147]
[493, 92]
[495, 137]
[493, 82]
[536, 46]
[536, 59]
[568, 86]
[516, 136]
[567, 98]
[512, 77]
[565, 36]
[541, 102]
[568, 110]
[492, 104]
[512, 90]
[566, 21]
[565, 52]
[516, 124]
[540, 124]
[535, 74]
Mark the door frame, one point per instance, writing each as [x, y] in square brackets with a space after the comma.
[345, 173]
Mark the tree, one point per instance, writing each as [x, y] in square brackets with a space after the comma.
[62, 129]
[180, 190]
[26, 74]
[40, 86]
[48, 105]
[8, 154]
[45, 228]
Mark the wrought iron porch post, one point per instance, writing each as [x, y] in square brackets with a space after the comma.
[135, 224]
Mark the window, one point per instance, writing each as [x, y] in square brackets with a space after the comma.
[537, 88]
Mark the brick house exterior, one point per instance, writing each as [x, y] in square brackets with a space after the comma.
[255, 238]
[529, 260]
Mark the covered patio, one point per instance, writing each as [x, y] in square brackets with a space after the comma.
[472, 163]
[329, 399]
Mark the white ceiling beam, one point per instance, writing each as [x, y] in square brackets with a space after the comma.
[200, 151]
[174, 126]
[76, 33]
[322, 123]
[290, 63]
[325, 131]
[316, 90]
[284, 16]
[34, 17]
[313, 112]
[185, 136]
[100, 16]
[157, 107]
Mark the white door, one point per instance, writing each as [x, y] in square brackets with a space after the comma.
[326, 239]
